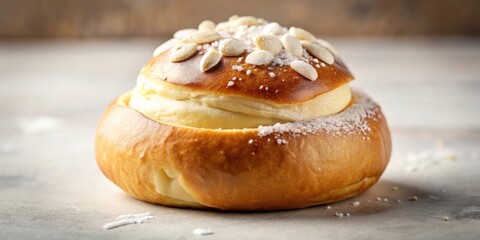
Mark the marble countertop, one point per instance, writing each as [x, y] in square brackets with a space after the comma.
[53, 94]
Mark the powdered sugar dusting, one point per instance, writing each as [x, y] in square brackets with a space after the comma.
[352, 120]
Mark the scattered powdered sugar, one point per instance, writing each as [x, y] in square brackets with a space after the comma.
[36, 125]
[271, 74]
[230, 83]
[237, 67]
[284, 58]
[126, 219]
[427, 158]
[352, 120]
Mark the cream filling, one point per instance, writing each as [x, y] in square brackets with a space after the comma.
[174, 105]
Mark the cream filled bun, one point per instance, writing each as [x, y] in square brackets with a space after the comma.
[243, 115]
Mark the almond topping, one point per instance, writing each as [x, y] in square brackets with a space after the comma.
[328, 46]
[269, 43]
[292, 45]
[165, 46]
[182, 52]
[318, 51]
[245, 20]
[304, 69]
[259, 57]
[203, 37]
[302, 34]
[274, 29]
[231, 47]
[210, 59]
[233, 17]
[184, 33]
[206, 25]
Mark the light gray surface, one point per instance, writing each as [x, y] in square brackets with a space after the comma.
[51, 188]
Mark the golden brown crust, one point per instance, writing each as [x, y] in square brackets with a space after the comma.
[287, 86]
[222, 170]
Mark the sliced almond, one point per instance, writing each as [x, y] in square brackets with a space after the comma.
[269, 43]
[182, 52]
[245, 20]
[231, 47]
[222, 26]
[207, 36]
[318, 51]
[184, 33]
[259, 57]
[328, 46]
[206, 25]
[210, 59]
[304, 69]
[274, 29]
[302, 34]
[233, 17]
[292, 45]
[165, 46]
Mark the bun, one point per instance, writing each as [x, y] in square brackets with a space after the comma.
[212, 136]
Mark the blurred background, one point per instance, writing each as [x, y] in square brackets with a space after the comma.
[63, 61]
[74, 19]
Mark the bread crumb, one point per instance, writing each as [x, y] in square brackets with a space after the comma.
[413, 198]
[399, 200]
[357, 203]
[126, 219]
[328, 207]
[395, 188]
[379, 199]
[445, 218]
[348, 214]
[337, 214]
[202, 231]
[385, 199]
